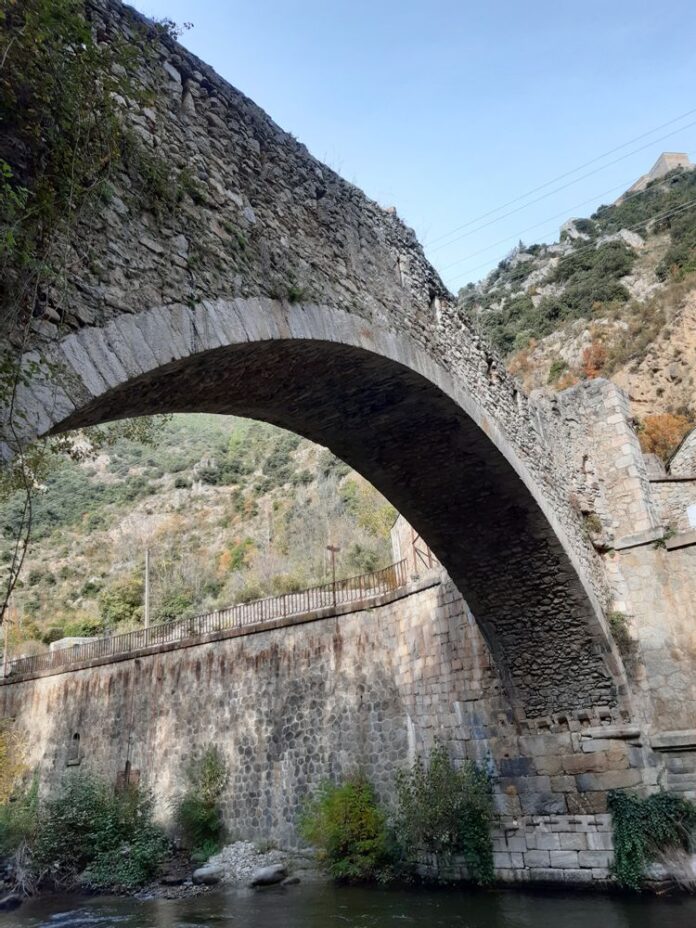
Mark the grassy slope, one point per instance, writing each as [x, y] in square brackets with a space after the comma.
[230, 510]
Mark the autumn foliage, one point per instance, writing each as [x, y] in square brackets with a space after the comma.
[660, 434]
[594, 358]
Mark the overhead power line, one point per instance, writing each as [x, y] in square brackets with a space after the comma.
[518, 235]
[550, 193]
[536, 225]
[634, 228]
[554, 180]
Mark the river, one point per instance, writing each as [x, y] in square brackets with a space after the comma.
[325, 905]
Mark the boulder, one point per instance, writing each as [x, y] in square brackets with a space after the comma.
[267, 876]
[9, 902]
[208, 875]
[290, 881]
[174, 879]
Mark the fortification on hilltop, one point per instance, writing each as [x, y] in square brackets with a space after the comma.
[668, 161]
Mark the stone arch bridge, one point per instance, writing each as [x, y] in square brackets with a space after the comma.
[278, 291]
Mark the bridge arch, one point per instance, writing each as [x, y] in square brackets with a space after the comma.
[385, 406]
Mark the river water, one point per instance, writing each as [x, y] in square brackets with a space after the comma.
[328, 906]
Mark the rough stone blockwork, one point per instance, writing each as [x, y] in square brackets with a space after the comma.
[364, 691]
[277, 290]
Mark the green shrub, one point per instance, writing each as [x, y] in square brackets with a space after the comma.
[122, 601]
[249, 592]
[90, 587]
[52, 633]
[240, 553]
[350, 831]
[109, 839]
[85, 627]
[198, 813]
[175, 604]
[362, 559]
[620, 632]
[557, 369]
[444, 811]
[287, 583]
[644, 827]
[18, 818]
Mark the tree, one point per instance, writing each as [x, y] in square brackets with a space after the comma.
[660, 434]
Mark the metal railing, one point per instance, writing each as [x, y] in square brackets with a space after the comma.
[242, 615]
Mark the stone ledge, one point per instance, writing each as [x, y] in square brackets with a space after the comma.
[682, 540]
[672, 480]
[683, 740]
[613, 732]
[649, 536]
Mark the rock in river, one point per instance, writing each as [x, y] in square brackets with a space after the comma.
[267, 876]
[208, 876]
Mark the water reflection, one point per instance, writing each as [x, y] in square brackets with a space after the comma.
[326, 906]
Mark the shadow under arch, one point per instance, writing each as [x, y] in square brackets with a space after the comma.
[386, 408]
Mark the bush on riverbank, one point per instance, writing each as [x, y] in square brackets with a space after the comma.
[350, 831]
[441, 810]
[87, 835]
[18, 818]
[92, 835]
[444, 810]
[643, 828]
[198, 813]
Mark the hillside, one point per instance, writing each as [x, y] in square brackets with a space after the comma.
[614, 297]
[230, 509]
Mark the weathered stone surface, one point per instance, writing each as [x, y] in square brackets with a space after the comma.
[207, 876]
[268, 876]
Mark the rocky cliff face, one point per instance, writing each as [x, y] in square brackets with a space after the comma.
[615, 296]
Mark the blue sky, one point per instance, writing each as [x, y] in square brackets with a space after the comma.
[448, 110]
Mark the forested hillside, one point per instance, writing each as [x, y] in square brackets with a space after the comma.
[615, 297]
[231, 510]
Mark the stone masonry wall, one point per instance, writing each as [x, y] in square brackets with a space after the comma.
[683, 461]
[676, 502]
[360, 691]
[643, 529]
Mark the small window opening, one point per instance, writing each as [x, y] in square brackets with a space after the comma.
[74, 753]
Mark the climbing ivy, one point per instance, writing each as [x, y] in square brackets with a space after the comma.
[643, 827]
[66, 83]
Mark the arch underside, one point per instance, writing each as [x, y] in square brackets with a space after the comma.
[426, 454]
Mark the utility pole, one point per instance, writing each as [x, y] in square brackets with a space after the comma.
[147, 587]
[6, 642]
[334, 549]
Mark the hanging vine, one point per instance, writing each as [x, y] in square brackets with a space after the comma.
[643, 828]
